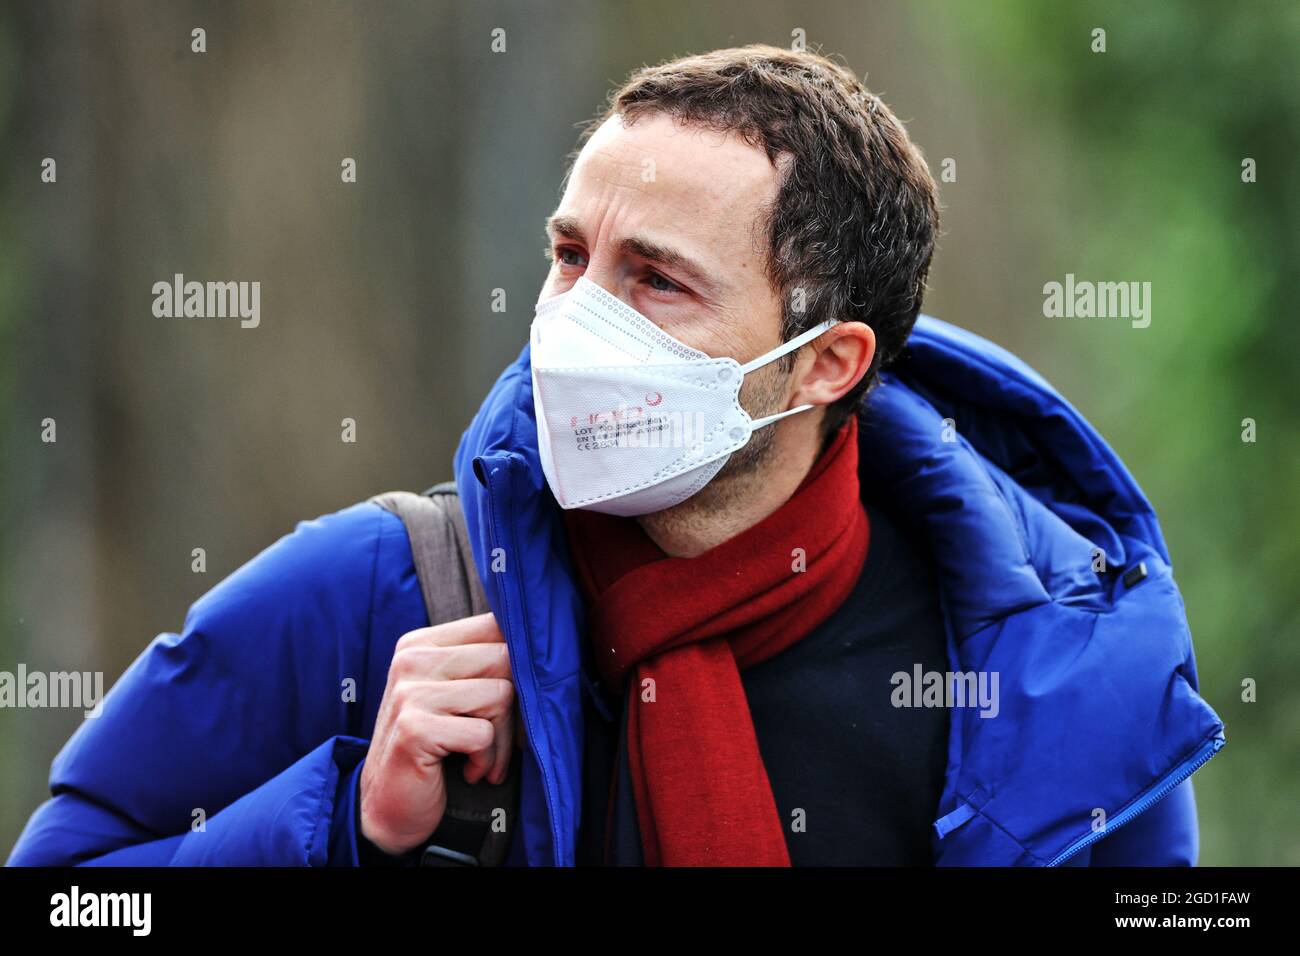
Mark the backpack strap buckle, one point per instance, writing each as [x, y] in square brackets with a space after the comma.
[478, 823]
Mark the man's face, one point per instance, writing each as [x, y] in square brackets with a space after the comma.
[668, 218]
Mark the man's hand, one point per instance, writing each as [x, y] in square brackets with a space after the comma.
[449, 691]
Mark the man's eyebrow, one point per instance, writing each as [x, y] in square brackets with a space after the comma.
[671, 259]
[647, 249]
[565, 226]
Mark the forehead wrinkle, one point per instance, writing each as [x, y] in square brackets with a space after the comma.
[609, 164]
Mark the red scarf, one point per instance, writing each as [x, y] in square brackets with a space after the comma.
[691, 625]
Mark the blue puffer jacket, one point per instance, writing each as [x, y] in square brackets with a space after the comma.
[235, 742]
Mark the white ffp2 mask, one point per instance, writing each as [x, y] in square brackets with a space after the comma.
[629, 419]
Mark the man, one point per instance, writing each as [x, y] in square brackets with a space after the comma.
[755, 598]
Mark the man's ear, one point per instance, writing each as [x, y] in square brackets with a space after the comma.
[840, 357]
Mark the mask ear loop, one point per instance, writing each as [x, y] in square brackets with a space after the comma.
[797, 342]
[759, 423]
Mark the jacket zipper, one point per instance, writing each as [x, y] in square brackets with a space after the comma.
[1172, 780]
[517, 623]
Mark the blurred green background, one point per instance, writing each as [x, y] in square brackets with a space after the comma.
[376, 296]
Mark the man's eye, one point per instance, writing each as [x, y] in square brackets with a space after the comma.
[567, 255]
[660, 284]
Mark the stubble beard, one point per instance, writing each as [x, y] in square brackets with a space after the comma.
[763, 393]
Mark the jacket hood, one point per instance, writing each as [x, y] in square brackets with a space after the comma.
[1004, 475]
[1018, 500]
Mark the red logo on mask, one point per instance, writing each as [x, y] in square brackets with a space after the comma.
[623, 413]
[653, 398]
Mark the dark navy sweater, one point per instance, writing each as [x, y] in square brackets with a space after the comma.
[866, 775]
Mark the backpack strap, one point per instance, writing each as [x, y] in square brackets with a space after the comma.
[440, 548]
[479, 820]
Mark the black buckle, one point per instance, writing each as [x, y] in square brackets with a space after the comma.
[1135, 574]
[466, 836]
